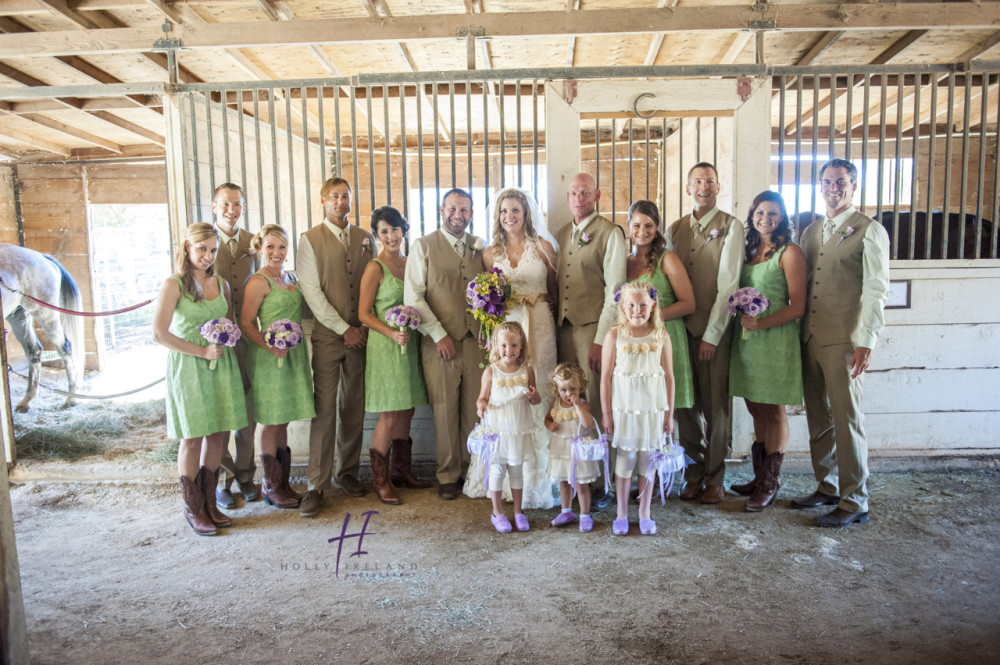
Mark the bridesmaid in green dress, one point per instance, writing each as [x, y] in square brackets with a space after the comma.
[282, 393]
[766, 368]
[204, 404]
[652, 262]
[394, 382]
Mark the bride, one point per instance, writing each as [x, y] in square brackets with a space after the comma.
[528, 260]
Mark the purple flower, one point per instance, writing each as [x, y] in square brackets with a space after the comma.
[280, 344]
[845, 234]
[584, 239]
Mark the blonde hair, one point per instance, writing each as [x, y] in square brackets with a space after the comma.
[193, 234]
[268, 230]
[567, 373]
[507, 328]
[639, 286]
[499, 235]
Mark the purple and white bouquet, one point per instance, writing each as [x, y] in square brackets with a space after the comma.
[489, 296]
[749, 301]
[403, 317]
[283, 334]
[220, 331]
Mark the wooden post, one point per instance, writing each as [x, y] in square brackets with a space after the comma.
[13, 630]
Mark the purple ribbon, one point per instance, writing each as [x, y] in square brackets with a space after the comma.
[657, 460]
[491, 442]
[574, 454]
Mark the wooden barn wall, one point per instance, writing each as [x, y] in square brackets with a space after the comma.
[54, 202]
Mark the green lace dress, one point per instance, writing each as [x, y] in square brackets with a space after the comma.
[683, 384]
[280, 394]
[766, 367]
[202, 401]
[394, 380]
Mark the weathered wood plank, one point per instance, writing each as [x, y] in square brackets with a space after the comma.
[938, 346]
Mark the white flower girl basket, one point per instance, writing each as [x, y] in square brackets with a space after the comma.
[484, 443]
[585, 449]
[666, 463]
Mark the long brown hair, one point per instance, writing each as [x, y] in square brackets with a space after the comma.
[659, 244]
[499, 235]
[194, 233]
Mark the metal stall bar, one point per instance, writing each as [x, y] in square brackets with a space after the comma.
[880, 172]
[996, 180]
[697, 140]
[468, 132]
[597, 151]
[715, 140]
[948, 159]
[290, 135]
[662, 197]
[225, 133]
[781, 132]
[914, 168]
[831, 150]
[388, 158]
[247, 213]
[814, 176]
[897, 169]
[211, 145]
[798, 145]
[963, 195]
[864, 139]
[647, 158]
[272, 121]
[420, 160]
[631, 152]
[320, 98]
[534, 138]
[257, 155]
[681, 180]
[437, 148]
[454, 136]
[931, 156]
[981, 183]
[354, 153]
[371, 153]
[307, 184]
[517, 123]
[402, 146]
[614, 167]
[336, 129]
[849, 113]
[502, 103]
[194, 157]
[486, 144]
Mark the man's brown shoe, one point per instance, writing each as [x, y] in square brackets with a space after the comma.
[839, 517]
[713, 494]
[815, 499]
[691, 492]
[311, 503]
[448, 491]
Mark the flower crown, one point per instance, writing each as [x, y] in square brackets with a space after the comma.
[618, 293]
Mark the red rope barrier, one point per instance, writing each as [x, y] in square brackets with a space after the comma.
[74, 312]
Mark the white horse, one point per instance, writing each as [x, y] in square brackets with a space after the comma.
[42, 277]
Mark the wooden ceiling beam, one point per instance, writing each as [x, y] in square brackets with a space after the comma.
[726, 18]
[17, 135]
[980, 48]
[69, 130]
[61, 8]
[141, 132]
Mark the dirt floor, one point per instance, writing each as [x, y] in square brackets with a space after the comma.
[111, 573]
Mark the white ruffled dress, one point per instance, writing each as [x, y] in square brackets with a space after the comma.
[639, 393]
[560, 449]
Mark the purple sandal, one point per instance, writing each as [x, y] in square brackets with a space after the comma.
[562, 519]
[619, 527]
[647, 527]
[500, 522]
[520, 521]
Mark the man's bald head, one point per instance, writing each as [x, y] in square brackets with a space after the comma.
[583, 196]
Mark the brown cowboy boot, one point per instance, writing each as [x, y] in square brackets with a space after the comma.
[757, 455]
[194, 506]
[209, 480]
[271, 484]
[284, 457]
[380, 477]
[402, 472]
[767, 483]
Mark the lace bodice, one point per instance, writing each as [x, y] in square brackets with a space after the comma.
[529, 277]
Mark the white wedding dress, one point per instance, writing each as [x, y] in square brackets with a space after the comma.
[529, 282]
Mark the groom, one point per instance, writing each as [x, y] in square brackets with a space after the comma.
[440, 266]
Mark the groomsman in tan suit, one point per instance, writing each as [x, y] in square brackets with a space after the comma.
[848, 256]
[331, 259]
[591, 269]
[235, 263]
[440, 266]
[710, 243]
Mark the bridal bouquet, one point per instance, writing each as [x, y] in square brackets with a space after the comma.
[283, 334]
[489, 296]
[220, 331]
[403, 317]
[750, 301]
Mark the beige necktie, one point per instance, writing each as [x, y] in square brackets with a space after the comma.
[232, 247]
[345, 238]
[828, 228]
[460, 247]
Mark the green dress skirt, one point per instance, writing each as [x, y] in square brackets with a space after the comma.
[394, 380]
[202, 401]
[683, 385]
[766, 367]
[280, 394]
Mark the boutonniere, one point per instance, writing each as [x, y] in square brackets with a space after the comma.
[845, 234]
[366, 244]
[710, 235]
[584, 239]
[248, 254]
[477, 247]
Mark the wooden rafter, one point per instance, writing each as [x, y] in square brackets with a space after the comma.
[980, 48]
[657, 42]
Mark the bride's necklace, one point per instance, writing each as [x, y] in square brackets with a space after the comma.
[764, 253]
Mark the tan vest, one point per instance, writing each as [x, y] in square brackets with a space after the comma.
[237, 269]
[448, 275]
[701, 260]
[836, 272]
[581, 272]
[340, 272]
